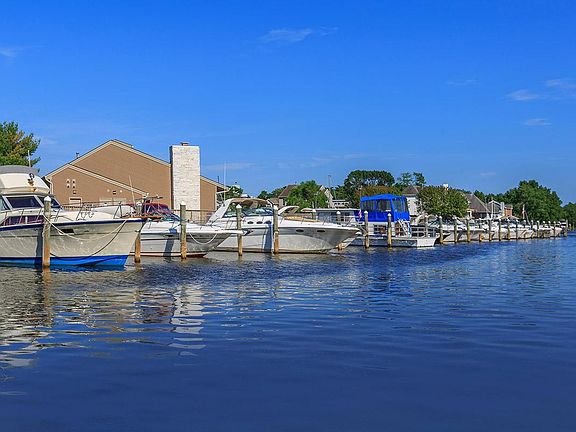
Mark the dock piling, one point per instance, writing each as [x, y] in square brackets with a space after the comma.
[239, 227]
[389, 231]
[46, 233]
[276, 232]
[441, 240]
[499, 229]
[455, 220]
[183, 243]
[468, 237]
[366, 230]
[138, 249]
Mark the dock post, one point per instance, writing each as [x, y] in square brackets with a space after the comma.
[508, 229]
[554, 228]
[489, 229]
[426, 226]
[338, 221]
[455, 220]
[389, 231]
[46, 233]
[517, 232]
[276, 232]
[183, 243]
[499, 229]
[239, 227]
[537, 229]
[566, 229]
[441, 240]
[137, 249]
[468, 237]
[366, 232]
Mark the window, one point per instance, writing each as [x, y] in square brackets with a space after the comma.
[24, 202]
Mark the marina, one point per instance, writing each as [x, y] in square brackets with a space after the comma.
[417, 339]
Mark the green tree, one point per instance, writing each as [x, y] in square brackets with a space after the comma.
[234, 191]
[308, 194]
[405, 179]
[419, 179]
[15, 146]
[570, 213]
[539, 202]
[441, 201]
[274, 194]
[358, 179]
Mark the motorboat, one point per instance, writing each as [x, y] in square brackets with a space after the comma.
[160, 234]
[296, 233]
[77, 237]
[388, 208]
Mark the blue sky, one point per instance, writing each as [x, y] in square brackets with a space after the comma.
[477, 94]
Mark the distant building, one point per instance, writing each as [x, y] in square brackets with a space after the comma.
[477, 209]
[116, 172]
[411, 194]
[500, 209]
[283, 197]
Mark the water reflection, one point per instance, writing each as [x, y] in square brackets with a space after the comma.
[73, 309]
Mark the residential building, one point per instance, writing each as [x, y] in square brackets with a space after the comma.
[116, 172]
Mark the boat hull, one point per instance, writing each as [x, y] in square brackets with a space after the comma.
[292, 239]
[81, 243]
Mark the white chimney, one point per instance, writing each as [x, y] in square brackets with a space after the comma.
[185, 162]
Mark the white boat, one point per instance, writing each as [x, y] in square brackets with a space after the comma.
[160, 235]
[77, 237]
[296, 234]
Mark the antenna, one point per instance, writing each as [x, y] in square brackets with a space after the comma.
[132, 190]
[225, 181]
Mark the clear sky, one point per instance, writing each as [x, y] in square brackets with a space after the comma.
[477, 94]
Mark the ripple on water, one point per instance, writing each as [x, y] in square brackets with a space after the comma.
[463, 337]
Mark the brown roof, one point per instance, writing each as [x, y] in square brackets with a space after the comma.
[286, 191]
[476, 204]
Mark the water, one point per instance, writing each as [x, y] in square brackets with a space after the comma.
[460, 338]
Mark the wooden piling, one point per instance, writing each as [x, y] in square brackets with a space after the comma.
[489, 229]
[239, 236]
[425, 226]
[537, 229]
[468, 237]
[183, 243]
[276, 232]
[389, 231]
[499, 229]
[441, 239]
[508, 236]
[46, 233]
[455, 230]
[366, 230]
[517, 231]
[138, 249]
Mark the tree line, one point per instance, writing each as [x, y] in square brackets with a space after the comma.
[529, 199]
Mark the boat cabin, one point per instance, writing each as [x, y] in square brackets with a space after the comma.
[380, 206]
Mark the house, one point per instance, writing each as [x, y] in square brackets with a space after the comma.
[411, 194]
[116, 172]
[283, 197]
[477, 209]
[499, 209]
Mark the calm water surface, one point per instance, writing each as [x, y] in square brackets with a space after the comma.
[460, 338]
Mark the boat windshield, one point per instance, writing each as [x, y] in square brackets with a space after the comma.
[249, 211]
[26, 201]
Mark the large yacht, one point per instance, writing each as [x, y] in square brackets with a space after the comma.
[161, 233]
[296, 234]
[78, 237]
